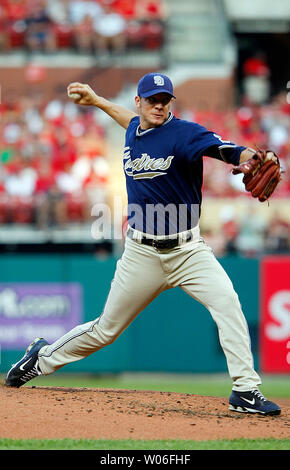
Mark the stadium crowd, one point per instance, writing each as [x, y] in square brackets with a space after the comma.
[53, 166]
[53, 162]
[86, 26]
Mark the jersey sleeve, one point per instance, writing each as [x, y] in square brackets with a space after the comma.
[134, 123]
[228, 153]
[202, 142]
[131, 129]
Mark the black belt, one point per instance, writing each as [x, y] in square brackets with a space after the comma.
[165, 244]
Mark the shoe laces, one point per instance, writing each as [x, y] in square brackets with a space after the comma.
[33, 372]
[259, 395]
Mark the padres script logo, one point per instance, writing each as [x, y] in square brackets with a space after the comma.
[147, 164]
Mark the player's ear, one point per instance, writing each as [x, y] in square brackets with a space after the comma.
[137, 101]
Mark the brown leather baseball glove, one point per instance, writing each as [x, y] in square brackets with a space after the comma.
[261, 175]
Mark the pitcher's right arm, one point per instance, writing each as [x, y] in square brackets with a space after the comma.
[88, 97]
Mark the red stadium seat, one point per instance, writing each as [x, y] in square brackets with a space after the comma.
[153, 35]
[4, 216]
[64, 36]
[149, 35]
[16, 38]
[134, 34]
[75, 206]
[21, 210]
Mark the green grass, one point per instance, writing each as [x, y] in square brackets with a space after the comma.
[128, 444]
[209, 385]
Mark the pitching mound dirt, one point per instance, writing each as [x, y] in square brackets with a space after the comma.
[55, 413]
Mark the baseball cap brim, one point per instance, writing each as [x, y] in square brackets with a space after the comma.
[156, 92]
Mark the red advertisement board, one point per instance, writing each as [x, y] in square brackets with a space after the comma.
[275, 314]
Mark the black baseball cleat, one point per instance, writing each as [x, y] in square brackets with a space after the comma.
[252, 402]
[27, 368]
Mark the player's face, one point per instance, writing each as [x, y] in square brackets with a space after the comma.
[153, 110]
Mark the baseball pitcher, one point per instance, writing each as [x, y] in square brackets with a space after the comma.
[163, 166]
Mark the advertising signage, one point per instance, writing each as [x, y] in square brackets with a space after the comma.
[29, 310]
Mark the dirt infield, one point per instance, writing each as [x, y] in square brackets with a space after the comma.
[54, 413]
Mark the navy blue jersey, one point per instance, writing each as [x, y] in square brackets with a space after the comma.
[164, 173]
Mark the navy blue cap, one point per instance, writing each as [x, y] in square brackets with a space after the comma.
[154, 83]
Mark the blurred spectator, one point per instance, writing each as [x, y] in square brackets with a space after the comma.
[21, 178]
[40, 34]
[217, 179]
[49, 202]
[79, 9]
[215, 239]
[58, 11]
[146, 30]
[16, 9]
[84, 35]
[229, 229]
[19, 186]
[250, 240]
[110, 31]
[15, 12]
[256, 79]
[277, 236]
[275, 121]
[67, 181]
[256, 65]
[125, 8]
[147, 10]
[4, 38]
[83, 14]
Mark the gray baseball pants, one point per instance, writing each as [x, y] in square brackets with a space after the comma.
[141, 274]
